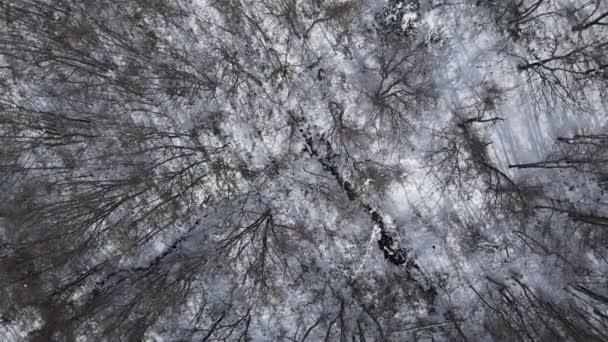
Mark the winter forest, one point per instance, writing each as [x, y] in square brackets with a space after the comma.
[303, 170]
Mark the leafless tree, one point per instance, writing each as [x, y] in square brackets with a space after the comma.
[459, 156]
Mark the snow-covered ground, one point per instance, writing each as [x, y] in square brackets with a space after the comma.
[344, 126]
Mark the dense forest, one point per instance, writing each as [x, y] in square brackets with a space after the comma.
[303, 170]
